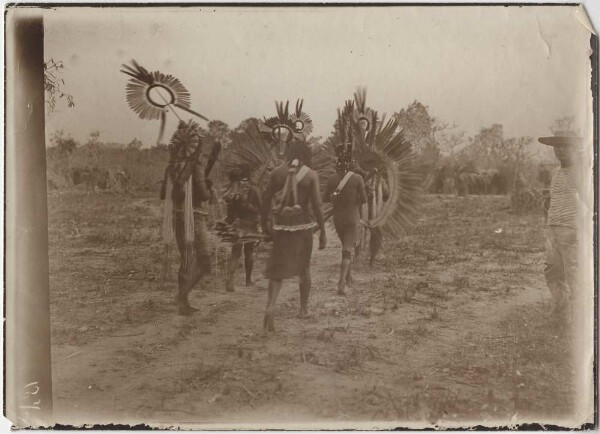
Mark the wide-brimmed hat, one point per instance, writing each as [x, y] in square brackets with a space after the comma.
[562, 138]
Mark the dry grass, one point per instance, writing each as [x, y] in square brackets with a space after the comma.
[105, 256]
[389, 350]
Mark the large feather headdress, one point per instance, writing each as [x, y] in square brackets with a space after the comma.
[378, 147]
[251, 151]
[260, 147]
[285, 127]
[153, 94]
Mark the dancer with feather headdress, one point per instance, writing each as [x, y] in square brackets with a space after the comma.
[244, 207]
[279, 157]
[346, 191]
[384, 159]
[291, 212]
[185, 187]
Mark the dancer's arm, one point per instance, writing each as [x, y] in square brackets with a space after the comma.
[266, 205]
[315, 200]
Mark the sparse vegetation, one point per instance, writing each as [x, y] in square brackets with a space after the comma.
[429, 333]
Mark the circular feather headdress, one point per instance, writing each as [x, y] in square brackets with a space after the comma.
[152, 94]
[362, 115]
[285, 126]
[376, 146]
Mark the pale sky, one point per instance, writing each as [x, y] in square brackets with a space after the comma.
[474, 66]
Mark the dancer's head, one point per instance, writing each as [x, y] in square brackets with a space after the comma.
[345, 161]
[298, 150]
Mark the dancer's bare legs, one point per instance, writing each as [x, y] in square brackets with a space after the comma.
[269, 320]
[234, 260]
[305, 284]
[344, 270]
[249, 262]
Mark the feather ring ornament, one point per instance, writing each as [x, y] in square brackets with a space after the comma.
[152, 94]
[285, 127]
[362, 115]
[278, 129]
[301, 123]
[378, 148]
[391, 154]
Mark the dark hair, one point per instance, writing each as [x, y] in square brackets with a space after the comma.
[245, 171]
[345, 160]
[300, 151]
[234, 175]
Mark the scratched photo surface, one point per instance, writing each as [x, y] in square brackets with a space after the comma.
[438, 290]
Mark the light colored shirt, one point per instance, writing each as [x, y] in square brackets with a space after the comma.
[563, 198]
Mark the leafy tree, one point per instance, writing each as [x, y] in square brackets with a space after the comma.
[334, 136]
[240, 133]
[562, 124]
[94, 137]
[489, 149]
[422, 129]
[419, 127]
[135, 144]
[245, 125]
[93, 146]
[315, 141]
[64, 145]
[53, 85]
[219, 130]
[451, 142]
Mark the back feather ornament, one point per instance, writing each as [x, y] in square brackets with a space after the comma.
[385, 160]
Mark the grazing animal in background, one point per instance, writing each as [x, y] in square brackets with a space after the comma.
[469, 180]
[436, 179]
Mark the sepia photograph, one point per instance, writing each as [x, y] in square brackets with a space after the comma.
[300, 216]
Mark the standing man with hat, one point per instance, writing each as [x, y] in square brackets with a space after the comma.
[562, 237]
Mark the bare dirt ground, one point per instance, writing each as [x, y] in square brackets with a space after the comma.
[448, 327]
